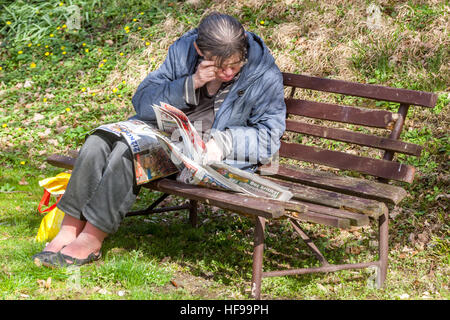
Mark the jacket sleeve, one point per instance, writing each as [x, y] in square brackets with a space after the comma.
[166, 84]
[259, 140]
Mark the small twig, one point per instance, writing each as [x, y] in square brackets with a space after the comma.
[17, 191]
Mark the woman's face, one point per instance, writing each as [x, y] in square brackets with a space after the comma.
[229, 68]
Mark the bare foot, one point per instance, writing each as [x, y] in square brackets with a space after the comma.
[70, 229]
[88, 241]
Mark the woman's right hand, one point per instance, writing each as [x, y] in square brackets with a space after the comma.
[206, 72]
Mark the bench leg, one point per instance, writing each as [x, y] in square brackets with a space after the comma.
[383, 231]
[193, 212]
[258, 250]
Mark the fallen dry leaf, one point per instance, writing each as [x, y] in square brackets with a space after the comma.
[23, 182]
[44, 283]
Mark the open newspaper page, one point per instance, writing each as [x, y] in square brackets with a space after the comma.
[194, 173]
[149, 158]
[194, 145]
[251, 183]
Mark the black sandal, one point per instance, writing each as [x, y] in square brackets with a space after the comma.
[60, 260]
[42, 256]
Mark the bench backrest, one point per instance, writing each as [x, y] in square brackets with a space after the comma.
[300, 115]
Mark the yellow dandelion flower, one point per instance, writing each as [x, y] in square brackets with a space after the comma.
[64, 26]
[22, 162]
[126, 28]
[32, 65]
[51, 35]
[262, 22]
[104, 60]
[57, 28]
[51, 53]
[44, 100]
[38, 45]
[147, 43]
[20, 52]
[19, 129]
[62, 48]
[101, 65]
[46, 46]
[61, 4]
[47, 53]
[114, 90]
[8, 22]
[68, 109]
[64, 52]
[4, 125]
[121, 54]
[127, 31]
[84, 44]
[124, 82]
[83, 89]
[93, 93]
[141, 13]
[30, 44]
[1, 68]
[139, 28]
[119, 95]
[134, 20]
[86, 50]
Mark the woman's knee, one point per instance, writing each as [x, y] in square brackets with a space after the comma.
[97, 144]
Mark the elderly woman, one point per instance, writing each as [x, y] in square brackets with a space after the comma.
[218, 74]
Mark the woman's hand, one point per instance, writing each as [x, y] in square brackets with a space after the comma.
[213, 152]
[206, 72]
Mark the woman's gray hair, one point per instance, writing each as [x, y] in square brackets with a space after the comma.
[221, 36]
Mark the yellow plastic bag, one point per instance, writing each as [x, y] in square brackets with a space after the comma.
[51, 223]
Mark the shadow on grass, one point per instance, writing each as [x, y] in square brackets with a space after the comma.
[220, 248]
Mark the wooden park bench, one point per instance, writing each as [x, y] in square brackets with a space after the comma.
[320, 196]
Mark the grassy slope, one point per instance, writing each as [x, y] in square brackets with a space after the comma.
[88, 77]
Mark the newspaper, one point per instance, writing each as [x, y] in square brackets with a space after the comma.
[150, 160]
[157, 152]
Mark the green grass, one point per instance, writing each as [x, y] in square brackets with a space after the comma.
[55, 89]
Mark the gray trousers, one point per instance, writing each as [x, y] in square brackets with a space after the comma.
[102, 187]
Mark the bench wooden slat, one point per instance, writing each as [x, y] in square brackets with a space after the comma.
[61, 161]
[245, 204]
[354, 137]
[347, 185]
[225, 200]
[346, 114]
[356, 219]
[369, 207]
[371, 91]
[325, 219]
[375, 167]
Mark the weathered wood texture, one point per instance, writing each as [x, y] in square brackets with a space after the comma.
[375, 167]
[263, 207]
[354, 137]
[61, 161]
[346, 114]
[369, 207]
[348, 185]
[412, 97]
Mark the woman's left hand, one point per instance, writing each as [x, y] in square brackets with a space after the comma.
[213, 152]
